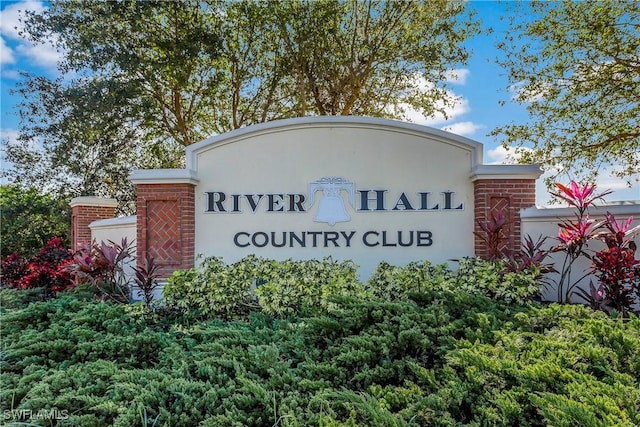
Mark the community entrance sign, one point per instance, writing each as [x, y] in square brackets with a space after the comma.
[363, 189]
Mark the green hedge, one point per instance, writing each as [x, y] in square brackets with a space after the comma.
[290, 288]
[434, 357]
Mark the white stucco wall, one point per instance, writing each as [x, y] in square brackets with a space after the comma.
[285, 157]
[114, 229]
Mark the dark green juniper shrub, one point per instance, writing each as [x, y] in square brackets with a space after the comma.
[416, 345]
[436, 357]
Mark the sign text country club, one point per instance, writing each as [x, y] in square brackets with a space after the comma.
[331, 210]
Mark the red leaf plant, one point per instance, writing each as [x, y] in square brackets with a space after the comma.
[574, 235]
[102, 266]
[616, 267]
[46, 270]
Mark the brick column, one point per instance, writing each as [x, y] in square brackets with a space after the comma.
[85, 210]
[165, 219]
[504, 189]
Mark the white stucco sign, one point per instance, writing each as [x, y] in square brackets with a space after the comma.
[353, 188]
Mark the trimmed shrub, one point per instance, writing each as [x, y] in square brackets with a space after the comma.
[433, 358]
[284, 288]
[392, 282]
[292, 287]
[495, 280]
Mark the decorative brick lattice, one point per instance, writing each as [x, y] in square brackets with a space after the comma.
[166, 225]
[163, 237]
[507, 196]
[499, 205]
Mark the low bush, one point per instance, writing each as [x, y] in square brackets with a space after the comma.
[282, 288]
[439, 358]
[215, 289]
[496, 280]
[393, 282]
[290, 288]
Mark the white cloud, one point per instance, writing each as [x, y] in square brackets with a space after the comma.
[6, 54]
[9, 135]
[501, 156]
[619, 187]
[520, 92]
[10, 74]
[43, 55]
[463, 128]
[453, 108]
[457, 76]
[10, 25]
[451, 112]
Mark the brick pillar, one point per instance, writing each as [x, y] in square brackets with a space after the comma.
[165, 224]
[85, 210]
[504, 189]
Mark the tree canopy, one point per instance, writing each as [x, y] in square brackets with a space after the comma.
[576, 65]
[29, 219]
[143, 79]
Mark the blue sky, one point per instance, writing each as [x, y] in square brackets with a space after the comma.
[480, 86]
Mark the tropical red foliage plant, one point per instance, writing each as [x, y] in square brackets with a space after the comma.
[575, 235]
[46, 270]
[102, 266]
[615, 267]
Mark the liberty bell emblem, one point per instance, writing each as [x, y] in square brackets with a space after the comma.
[331, 208]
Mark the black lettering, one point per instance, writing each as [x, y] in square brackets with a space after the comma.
[273, 240]
[424, 202]
[252, 202]
[236, 202]
[404, 202]
[384, 240]
[448, 201]
[276, 203]
[402, 243]
[237, 242]
[301, 242]
[424, 238]
[331, 236]
[366, 241]
[265, 241]
[347, 237]
[314, 234]
[214, 201]
[379, 199]
[296, 202]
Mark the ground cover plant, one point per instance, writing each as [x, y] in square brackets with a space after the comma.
[430, 355]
